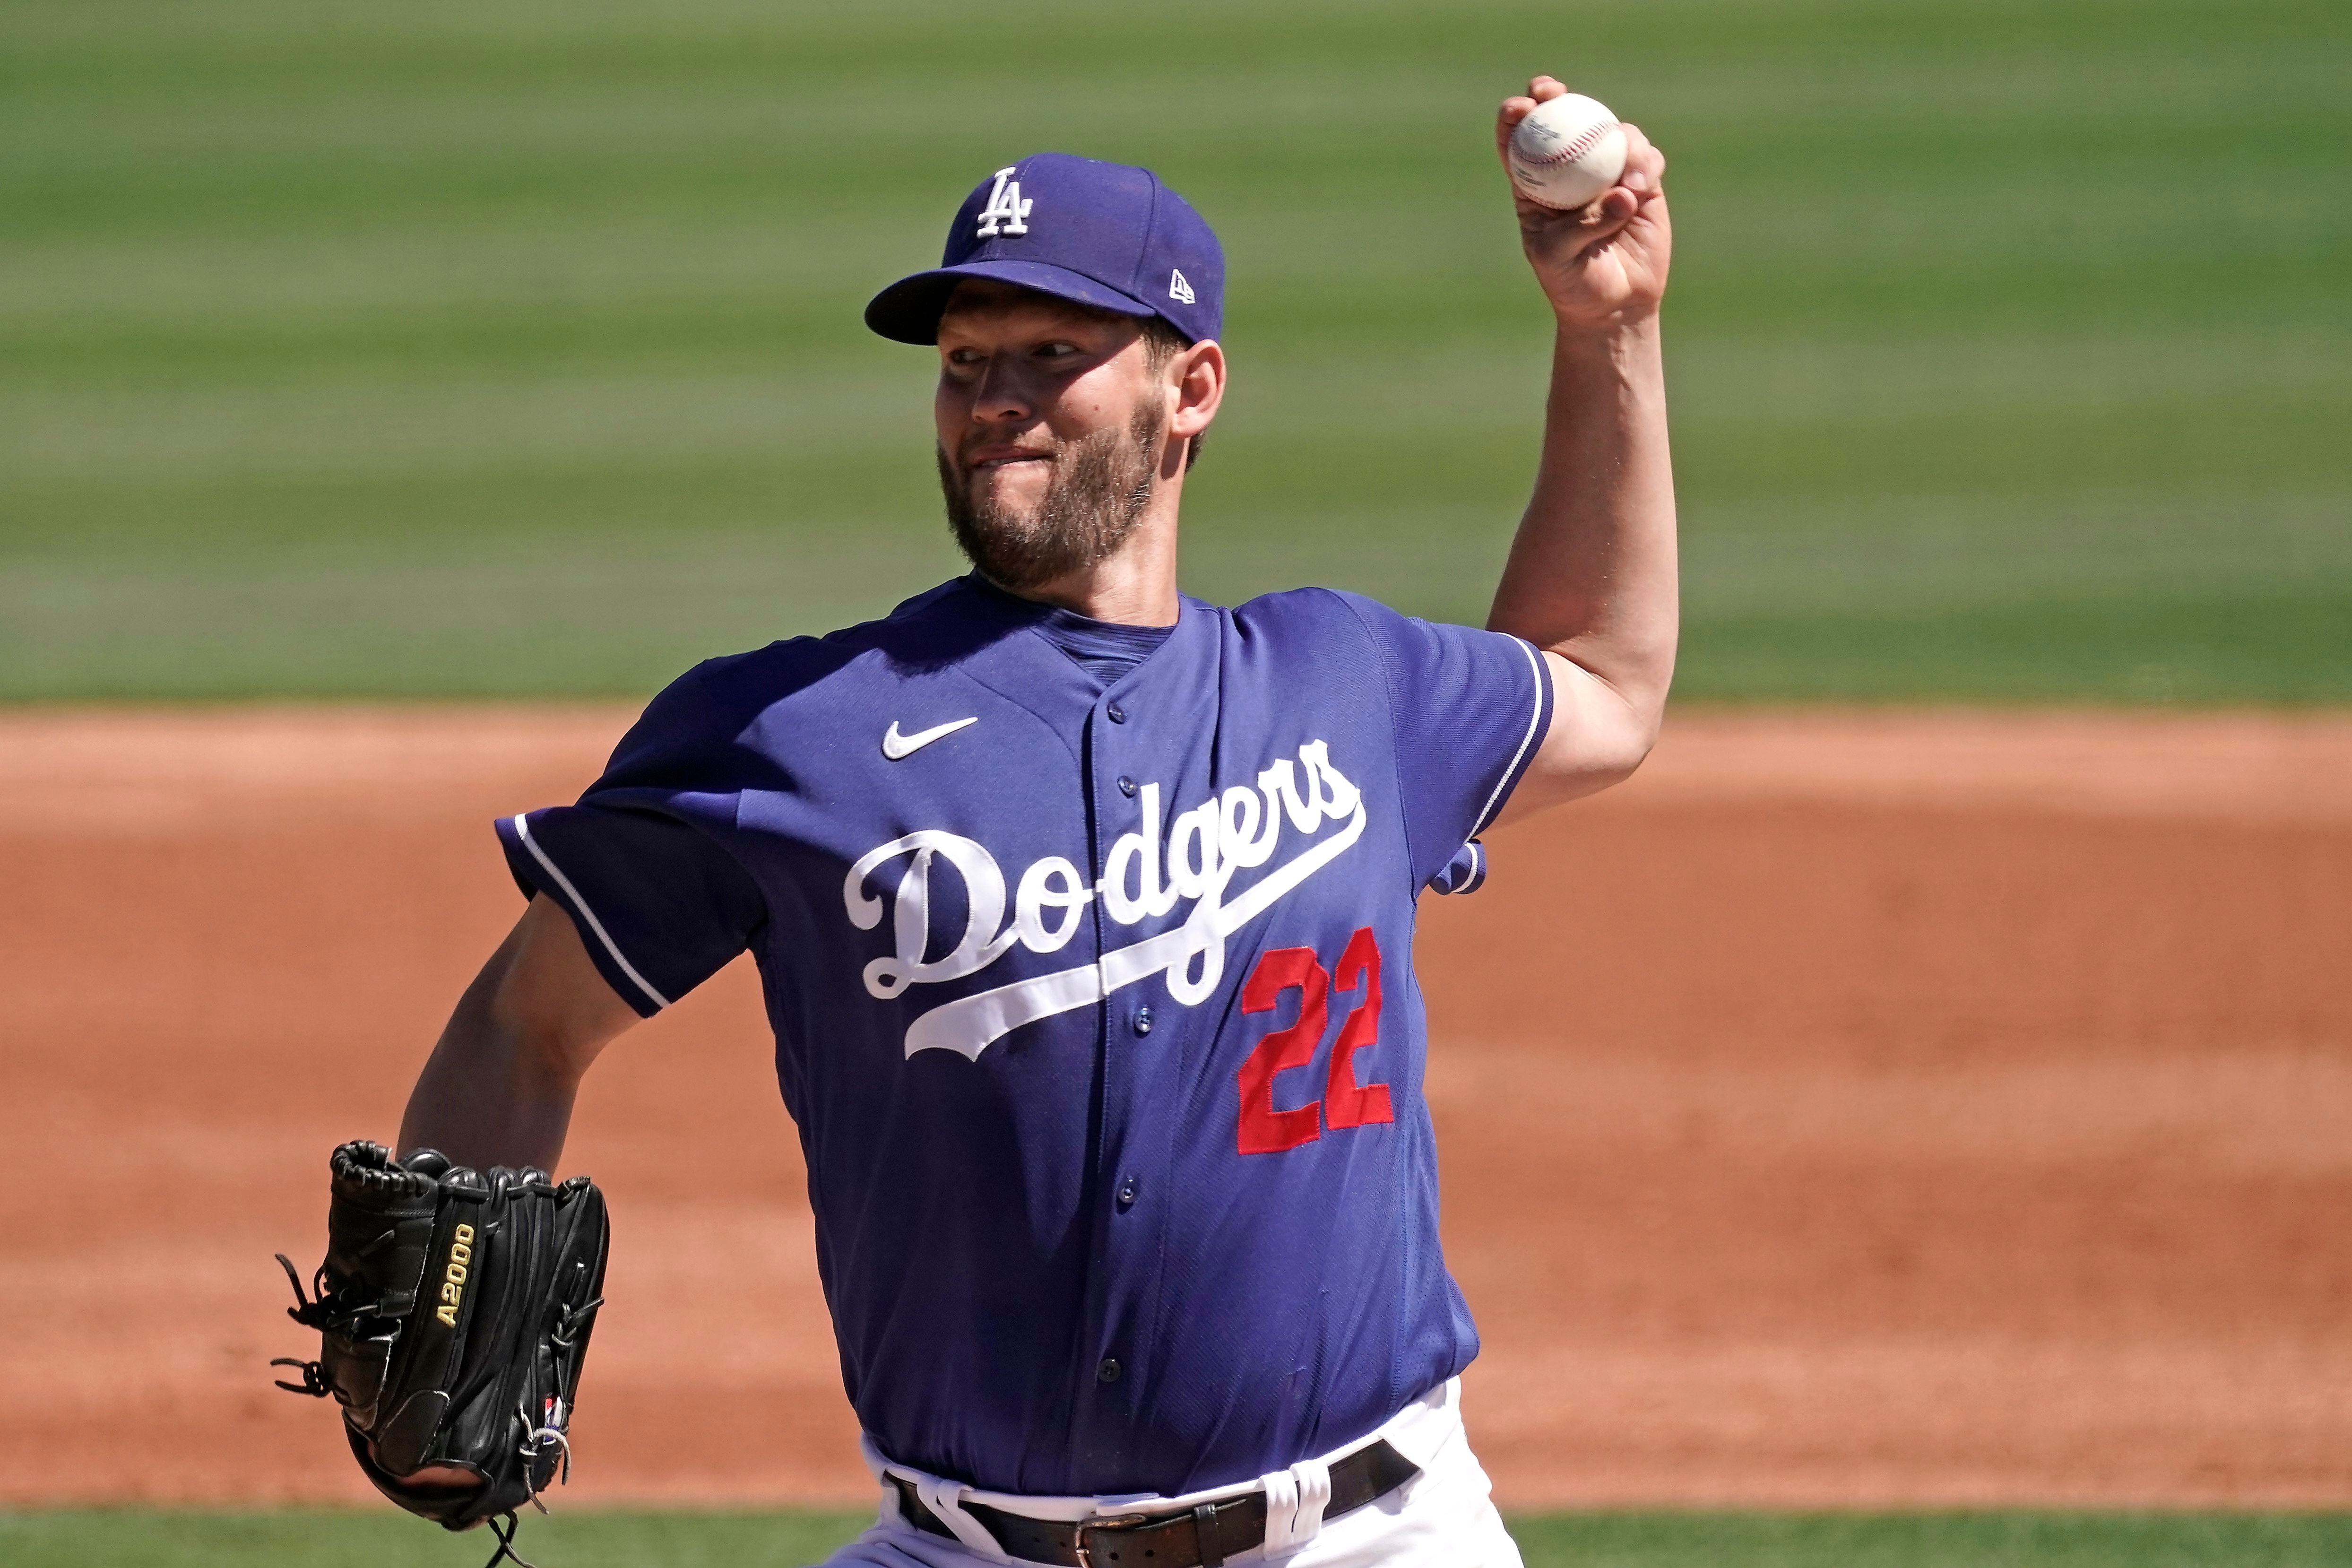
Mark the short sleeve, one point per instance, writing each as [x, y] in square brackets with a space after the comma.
[640, 863]
[1470, 708]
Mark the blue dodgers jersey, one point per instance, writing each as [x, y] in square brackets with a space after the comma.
[1095, 1006]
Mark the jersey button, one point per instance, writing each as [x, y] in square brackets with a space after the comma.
[1127, 786]
[1143, 1020]
[1108, 1372]
[1127, 1191]
[1115, 713]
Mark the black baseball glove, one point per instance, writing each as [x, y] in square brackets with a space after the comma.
[454, 1308]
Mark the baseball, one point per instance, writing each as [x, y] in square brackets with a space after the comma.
[1566, 151]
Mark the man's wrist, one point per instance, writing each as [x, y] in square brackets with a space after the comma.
[1615, 343]
[1625, 324]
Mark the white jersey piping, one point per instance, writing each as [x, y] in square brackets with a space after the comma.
[1543, 689]
[522, 831]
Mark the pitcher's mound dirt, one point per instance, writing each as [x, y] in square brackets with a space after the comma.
[1851, 1110]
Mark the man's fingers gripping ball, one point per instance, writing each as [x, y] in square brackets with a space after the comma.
[1566, 151]
[1566, 154]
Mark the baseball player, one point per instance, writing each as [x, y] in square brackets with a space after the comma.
[1083, 912]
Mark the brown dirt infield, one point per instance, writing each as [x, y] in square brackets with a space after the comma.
[1853, 1109]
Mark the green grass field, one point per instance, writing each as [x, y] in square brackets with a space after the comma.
[384, 1540]
[512, 348]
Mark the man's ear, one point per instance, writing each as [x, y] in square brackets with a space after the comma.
[1198, 378]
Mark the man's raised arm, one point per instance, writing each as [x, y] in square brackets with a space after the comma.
[499, 1087]
[1591, 576]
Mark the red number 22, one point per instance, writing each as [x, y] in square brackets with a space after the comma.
[1346, 1103]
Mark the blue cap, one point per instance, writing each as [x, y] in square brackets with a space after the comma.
[1105, 235]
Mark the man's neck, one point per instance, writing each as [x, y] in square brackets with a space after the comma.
[1135, 587]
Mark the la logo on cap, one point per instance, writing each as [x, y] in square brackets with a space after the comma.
[1109, 237]
[1005, 213]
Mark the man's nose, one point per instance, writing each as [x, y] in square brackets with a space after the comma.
[1002, 393]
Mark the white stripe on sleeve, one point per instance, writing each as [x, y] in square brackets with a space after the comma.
[1543, 689]
[522, 831]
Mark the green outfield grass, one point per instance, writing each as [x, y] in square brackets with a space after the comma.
[512, 348]
[139, 1539]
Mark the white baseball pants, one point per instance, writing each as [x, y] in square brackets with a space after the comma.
[1442, 1518]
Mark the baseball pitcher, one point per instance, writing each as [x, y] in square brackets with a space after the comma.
[1083, 912]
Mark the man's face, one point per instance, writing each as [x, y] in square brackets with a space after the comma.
[1049, 425]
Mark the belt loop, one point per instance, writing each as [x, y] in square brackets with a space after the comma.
[1294, 1500]
[1204, 1536]
[945, 1500]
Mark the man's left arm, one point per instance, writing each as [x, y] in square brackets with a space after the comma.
[1591, 576]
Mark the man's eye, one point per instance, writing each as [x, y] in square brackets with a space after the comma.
[1055, 349]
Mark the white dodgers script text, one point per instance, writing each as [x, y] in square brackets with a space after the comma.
[1145, 877]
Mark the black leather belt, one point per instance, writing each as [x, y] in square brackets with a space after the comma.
[1201, 1537]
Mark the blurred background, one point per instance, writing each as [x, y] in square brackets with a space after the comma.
[514, 348]
[1928, 1086]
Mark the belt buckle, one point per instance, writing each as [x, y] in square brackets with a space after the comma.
[1116, 1521]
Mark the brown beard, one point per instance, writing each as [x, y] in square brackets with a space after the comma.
[1100, 486]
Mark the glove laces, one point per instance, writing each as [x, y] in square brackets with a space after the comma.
[506, 1552]
[536, 1441]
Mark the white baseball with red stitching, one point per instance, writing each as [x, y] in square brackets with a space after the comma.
[1566, 151]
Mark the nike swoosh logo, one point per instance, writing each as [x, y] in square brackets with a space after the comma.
[897, 747]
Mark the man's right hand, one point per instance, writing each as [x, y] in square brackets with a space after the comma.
[1602, 266]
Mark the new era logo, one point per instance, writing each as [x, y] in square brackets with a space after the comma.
[1178, 289]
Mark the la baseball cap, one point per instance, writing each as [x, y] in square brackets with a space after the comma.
[1107, 235]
